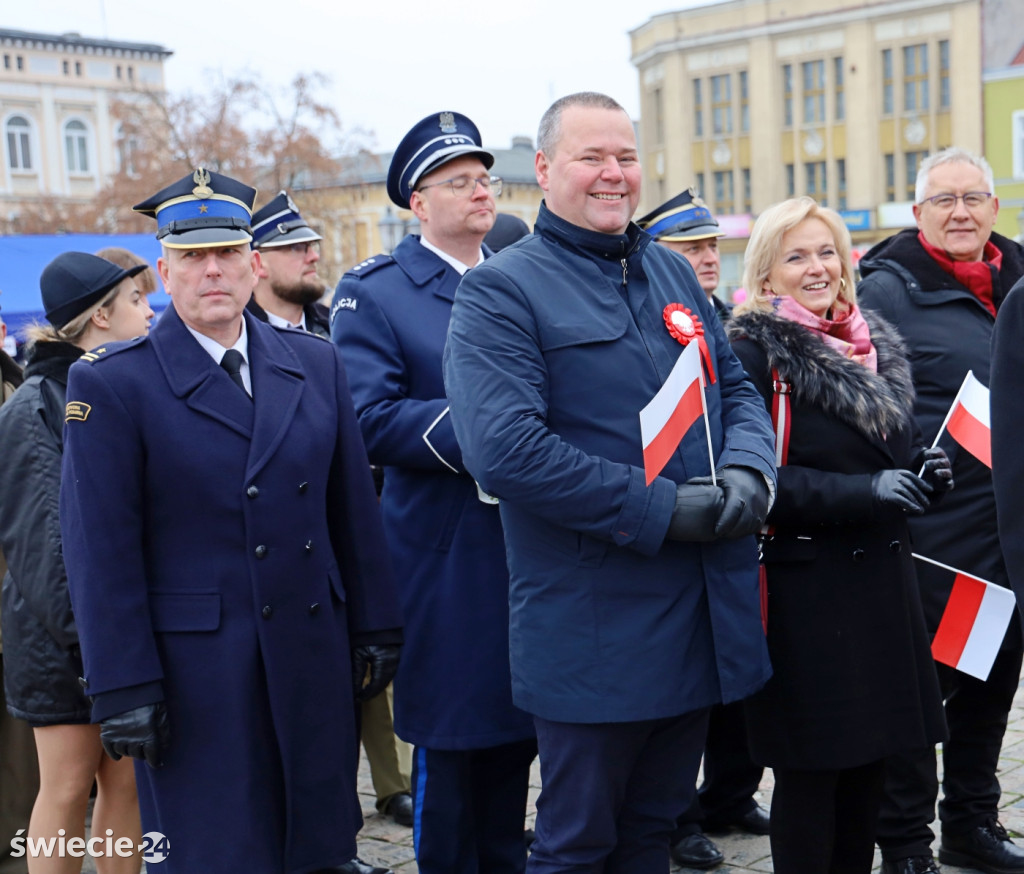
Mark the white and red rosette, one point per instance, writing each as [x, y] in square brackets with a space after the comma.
[685, 326]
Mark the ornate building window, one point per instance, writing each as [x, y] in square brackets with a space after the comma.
[19, 143]
[76, 146]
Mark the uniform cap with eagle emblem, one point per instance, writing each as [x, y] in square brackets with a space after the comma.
[200, 210]
[433, 141]
[280, 224]
[684, 217]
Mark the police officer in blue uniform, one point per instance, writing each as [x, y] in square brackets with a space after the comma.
[289, 289]
[453, 699]
[226, 562]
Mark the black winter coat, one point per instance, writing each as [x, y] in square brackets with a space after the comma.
[42, 663]
[853, 675]
[1007, 429]
[947, 331]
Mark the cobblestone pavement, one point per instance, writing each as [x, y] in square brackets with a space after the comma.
[384, 843]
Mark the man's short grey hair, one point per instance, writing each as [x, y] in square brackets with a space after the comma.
[952, 155]
[550, 129]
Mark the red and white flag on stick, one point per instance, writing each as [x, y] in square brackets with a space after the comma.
[669, 415]
[968, 420]
[973, 624]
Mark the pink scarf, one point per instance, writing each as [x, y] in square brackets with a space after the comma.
[846, 332]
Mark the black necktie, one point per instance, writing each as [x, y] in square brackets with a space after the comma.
[232, 362]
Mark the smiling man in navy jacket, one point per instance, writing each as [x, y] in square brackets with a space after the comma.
[633, 608]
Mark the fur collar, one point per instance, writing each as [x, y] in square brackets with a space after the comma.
[874, 403]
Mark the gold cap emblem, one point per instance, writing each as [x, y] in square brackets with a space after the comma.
[202, 180]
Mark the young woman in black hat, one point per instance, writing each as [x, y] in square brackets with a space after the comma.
[89, 302]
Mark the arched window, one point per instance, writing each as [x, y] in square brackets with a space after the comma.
[76, 146]
[19, 143]
[127, 147]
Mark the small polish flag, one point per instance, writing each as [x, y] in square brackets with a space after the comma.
[968, 419]
[973, 624]
[669, 415]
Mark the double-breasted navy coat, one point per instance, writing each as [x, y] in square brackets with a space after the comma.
[453, 689]
[223, 553]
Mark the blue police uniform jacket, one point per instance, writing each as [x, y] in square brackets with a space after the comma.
[453, 689]
[555, 346]
[223, 554]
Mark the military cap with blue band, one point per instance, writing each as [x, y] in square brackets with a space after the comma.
[278, 223]
[684, 217]
[200, 210]
[433, 141]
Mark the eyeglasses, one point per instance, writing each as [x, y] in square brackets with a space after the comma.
[972, 200]
[465, 186]
[300, 248]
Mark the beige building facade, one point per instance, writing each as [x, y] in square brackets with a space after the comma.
[60, 140]
[753, 101]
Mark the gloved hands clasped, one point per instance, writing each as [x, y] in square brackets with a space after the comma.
[902, 489]
[381, 660]
[937, 470]
[736, 507]
[698, 506]
[141, 733]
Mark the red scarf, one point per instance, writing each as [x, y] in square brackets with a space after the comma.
[975, 276]
[846, 331]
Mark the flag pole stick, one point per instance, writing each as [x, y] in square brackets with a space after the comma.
[707, 426]
[946, 567]
[942, 427]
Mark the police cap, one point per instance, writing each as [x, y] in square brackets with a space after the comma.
[434, 141]
[278, 223]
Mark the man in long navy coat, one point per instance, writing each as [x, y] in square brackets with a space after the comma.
[452, 694]
[633, 607]
[226, 561]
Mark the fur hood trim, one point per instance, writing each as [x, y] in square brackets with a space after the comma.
[875, 404]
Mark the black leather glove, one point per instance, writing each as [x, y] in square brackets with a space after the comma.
[937, 470]
[698, 504]
[746, 502]
[142, 733]
[900, 488]
[381, 660]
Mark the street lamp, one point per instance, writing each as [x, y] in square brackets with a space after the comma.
[391, 231]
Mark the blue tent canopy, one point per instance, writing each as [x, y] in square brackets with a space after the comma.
[22, 259]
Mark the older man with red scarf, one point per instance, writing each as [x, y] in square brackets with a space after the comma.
[941, 284]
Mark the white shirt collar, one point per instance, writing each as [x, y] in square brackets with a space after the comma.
[217, 351]
[279, 322]
[448, 259]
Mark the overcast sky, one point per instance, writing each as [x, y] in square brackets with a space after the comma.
[391, 62]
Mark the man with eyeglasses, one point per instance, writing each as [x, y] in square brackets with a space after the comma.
[289, 289]
[942, 284]
[453, 699]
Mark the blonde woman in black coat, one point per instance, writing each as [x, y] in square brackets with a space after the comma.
[89, 302]
[853, 674]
